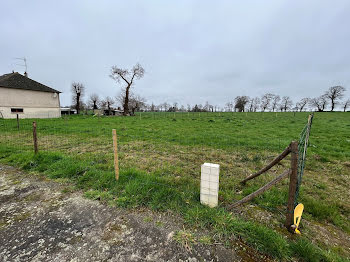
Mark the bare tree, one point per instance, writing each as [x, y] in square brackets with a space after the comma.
[256, 104]
[281, 107]
[240, 102]
[229, 106]
[162, 105]
[274, 102]
[302, 103]
[319, 102]
[94, 101]
[78, 90]
[208, 107]
[175, 107]
[346, 104]
[195, 109]
[335, 93]
[128, 77]
[107, 104]
[136, 102]
[286, 103]
[166, 106]
[251, 105]
[120, 98]
[265, 101]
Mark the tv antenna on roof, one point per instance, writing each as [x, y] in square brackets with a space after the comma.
[24, 62]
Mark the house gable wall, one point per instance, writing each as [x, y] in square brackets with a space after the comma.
[33, 103]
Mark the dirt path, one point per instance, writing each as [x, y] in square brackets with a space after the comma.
[38, 222]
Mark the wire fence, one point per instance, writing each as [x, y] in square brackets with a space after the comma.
[302, 149]
[170, 146]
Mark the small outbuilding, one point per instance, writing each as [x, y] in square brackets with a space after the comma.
[68, 111]
[112, 112]
[29, 99]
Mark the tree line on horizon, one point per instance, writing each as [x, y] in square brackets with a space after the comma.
[128, 102]
[273, 103]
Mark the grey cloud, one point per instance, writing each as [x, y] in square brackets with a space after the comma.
[193, 51]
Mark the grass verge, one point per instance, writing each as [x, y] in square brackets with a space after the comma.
[136, 188]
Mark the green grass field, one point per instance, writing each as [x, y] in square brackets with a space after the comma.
[160, 155]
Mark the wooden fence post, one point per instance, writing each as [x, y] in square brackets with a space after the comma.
[115, 148]
[292, 185]
[35, 138]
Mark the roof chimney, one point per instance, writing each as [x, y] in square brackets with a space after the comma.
[25, 74]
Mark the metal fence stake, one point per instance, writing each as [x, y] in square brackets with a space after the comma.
[292, 184]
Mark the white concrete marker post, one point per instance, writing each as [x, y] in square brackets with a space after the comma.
[210, 184]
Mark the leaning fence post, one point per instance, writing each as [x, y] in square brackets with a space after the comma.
[115, 148]
[35, 138]
[292, 185]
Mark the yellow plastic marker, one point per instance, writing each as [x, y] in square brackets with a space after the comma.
[298, 211]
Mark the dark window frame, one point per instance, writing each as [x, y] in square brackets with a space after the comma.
[17, 110]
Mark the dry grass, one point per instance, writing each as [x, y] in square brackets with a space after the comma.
[146, 145]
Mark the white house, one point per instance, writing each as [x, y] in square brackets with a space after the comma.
[29, 99]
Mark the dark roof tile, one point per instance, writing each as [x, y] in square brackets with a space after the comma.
[18, 81]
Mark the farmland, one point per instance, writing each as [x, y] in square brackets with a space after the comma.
[160, 155]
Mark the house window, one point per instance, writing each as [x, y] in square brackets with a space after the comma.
[16, 110]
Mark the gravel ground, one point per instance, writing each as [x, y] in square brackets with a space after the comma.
[38, 222]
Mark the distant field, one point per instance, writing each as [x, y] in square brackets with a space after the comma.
[160, 156]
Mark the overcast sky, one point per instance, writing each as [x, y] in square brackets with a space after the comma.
[192, 51]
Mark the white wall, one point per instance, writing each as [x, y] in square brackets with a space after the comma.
[35, 104]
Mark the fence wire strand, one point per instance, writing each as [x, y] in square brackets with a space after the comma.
[152, 142]
[302, 148]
